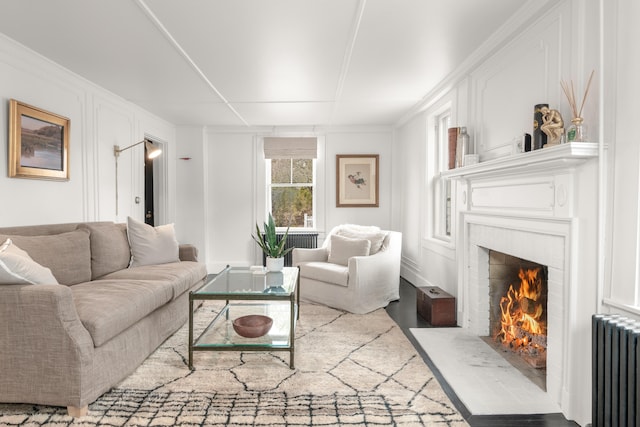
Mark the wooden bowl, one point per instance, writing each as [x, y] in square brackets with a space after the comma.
[252, 326]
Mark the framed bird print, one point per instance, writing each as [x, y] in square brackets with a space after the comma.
[357, 182]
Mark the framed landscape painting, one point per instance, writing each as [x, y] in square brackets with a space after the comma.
[38, 143]
[357, 180]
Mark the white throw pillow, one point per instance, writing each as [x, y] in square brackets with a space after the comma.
[343, 248]
[151, 245]
[375, 237]
[17, 267]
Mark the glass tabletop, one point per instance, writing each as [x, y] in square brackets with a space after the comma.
[236, 281]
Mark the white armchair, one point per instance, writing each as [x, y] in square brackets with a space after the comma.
[359, 274]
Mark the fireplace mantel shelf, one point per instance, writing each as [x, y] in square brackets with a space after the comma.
[560, 157]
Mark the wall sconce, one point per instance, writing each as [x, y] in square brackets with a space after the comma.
[152, 153]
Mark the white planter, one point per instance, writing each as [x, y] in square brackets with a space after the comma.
[275, 264]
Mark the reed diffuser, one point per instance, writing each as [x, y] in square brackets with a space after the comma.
[577, 131]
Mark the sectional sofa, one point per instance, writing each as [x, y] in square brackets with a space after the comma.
[67, 343]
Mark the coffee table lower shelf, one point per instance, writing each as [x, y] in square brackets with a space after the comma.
[219, 335]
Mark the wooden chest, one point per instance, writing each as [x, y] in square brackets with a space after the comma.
[436, 306]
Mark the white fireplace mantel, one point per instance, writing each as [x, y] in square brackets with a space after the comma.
[562, 156]
[538, 206]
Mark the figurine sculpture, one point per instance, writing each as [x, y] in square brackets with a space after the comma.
[552, 126]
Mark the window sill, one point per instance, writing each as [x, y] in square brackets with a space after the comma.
[441, 247]
[626, 308]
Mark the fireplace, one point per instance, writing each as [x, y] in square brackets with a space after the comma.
[538, 208]
[537, 242]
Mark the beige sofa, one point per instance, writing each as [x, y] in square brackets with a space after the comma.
[66, 344]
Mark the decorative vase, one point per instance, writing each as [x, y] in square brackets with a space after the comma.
[462, 147]
[577, 131]
[275, 264]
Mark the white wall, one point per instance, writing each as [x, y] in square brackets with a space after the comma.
[622, 68]
[98, 121]
[191, 194]
[232, 187]
[359, 142]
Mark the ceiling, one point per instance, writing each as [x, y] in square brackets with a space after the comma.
[261, 62]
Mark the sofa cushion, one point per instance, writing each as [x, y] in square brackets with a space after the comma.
[180, 275]
[326, 272]
[109, 247]
[343, 248]
[108, 307]
[151, 245]
[17, 267]
[68, 255]
[376, 237]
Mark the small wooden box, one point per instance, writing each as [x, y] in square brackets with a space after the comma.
[436, 306]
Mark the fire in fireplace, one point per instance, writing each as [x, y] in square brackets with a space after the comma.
[523, 326]
[518, 320]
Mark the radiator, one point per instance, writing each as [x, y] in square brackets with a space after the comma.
[616, 359]
[296, 240]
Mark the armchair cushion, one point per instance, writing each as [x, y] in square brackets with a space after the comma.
[326, 272]
[343, 248]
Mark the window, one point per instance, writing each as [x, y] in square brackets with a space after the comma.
[291, 178]
[291, 188]
[442, 186]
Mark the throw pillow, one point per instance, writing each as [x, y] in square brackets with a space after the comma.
[17, 267]
[375, 237]
[343, 248]
[151, 245]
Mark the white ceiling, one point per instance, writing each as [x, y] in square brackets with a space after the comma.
[260, 62]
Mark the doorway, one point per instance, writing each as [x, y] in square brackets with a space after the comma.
[152, 186]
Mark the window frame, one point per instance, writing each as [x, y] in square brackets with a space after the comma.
[313, 185]
[436, 161]
[442, 187]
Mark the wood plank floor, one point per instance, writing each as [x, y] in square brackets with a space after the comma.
[405, 314]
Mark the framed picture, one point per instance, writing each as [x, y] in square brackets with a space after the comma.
[357, 180]
[38, 143]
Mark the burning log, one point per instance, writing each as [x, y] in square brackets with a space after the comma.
[529, 306]
[535, 339]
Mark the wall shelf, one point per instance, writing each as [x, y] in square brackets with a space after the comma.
[562, 156]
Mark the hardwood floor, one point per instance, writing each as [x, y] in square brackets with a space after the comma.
[405, 314]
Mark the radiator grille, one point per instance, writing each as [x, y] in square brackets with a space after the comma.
[296, 240]
[616, 359]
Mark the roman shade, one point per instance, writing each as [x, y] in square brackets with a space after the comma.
[290, 148]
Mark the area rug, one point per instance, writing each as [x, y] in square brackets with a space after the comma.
[349, 370]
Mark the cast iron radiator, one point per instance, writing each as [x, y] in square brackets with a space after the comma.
[296, 240]
[615, 363]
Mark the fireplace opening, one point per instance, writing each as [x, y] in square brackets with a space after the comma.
[518, 313]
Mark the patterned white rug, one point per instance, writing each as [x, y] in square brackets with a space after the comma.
[349, 370]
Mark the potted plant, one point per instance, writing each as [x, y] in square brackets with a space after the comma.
[272, 248]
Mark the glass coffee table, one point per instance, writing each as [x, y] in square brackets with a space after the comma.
[248, 291]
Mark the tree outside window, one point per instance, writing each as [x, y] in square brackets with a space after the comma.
[292, 192]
